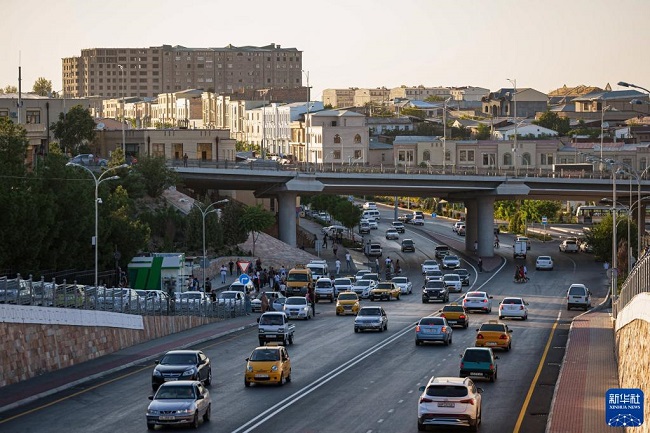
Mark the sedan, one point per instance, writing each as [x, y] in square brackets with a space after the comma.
[183, 402]
[182, 365]
[450, 262]
[404, 284]
[544, 262]
[433, 329]
[450, 401]
[297, 307]
[399, 226]
[430, 265]
[432, 276]
[347, 302]
[342, 285]
[392, 234]
[513, 307]
[464, 275]
[363, 287]
[478, 301]
[371, 318]
[385, 290]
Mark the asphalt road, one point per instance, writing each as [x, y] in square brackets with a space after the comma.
[366, 382]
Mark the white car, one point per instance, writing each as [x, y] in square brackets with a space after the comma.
[342, 285]
[450, 262]
[363, 287]
[432, 276]
[334, 230]
[392, 234]
[417, 220]
[297, 307]
[453, 282]
[544, 262]
[513, 307]
[370, 205]
[230, 299]
[360, 273]
[373, 224]
[450, 401]
[430, 265]
[324, 289]
[569, 246]
[478, 301]
[276, 301]
[523, 239]
[404, 284]
[456, 225]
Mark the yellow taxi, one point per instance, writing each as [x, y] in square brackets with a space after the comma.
[347, 303]
[268, 364]
[494, 334]
[385, 290]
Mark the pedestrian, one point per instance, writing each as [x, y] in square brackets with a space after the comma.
[185, 158]
[348, 260]
[258, 264]
[398, 268]
[208, 290]
[496, 241]
[480, 264]
[517, 271]
[312, 299]
[334, 249]
[324, 240]
[265, 302]
[223, 274]
[338, 266]
[195, 284]
[377, 265]
[525, 271]
[475, 247]
[231, 266]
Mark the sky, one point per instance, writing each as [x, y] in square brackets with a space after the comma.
[355, 43]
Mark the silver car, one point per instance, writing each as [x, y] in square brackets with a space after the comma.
[363, 287]
[450, 262]
[297, 307]
[371, 318]
[184, 402]
[478, 301]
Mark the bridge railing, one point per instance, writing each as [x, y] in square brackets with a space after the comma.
[637, 282]
[458, 170]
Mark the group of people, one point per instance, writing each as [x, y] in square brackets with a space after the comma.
[521, 274]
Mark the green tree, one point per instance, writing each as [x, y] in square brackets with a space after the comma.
[9, 89]
[483, 132]
[155, 174]
[347, 213]
[233, 232]
[254, 220]
[599, 236]
[74, 128]
[414, 112]
[42, 87]
[551, 120]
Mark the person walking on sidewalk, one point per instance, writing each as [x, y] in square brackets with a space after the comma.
[480, 264]
[231, 266]
[324, 240]
[376, 265]
[223, 274]
[334, 249]
[312, 300]
[475, 247]
[348, 260]
[338, 266]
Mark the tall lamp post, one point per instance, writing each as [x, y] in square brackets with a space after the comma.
[444, 134]
[204, 212]
[123, 110]
[307, 118]
[514, 117]
[98, 180]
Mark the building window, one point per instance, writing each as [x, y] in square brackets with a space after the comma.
[526, 159]
[466, 156]
[357, 139]
[643, 163]
[507, 159]
[337, 154]
[426, 156]
[358, 154]
[33, 116]
[337, 139]
[546, 159]
[489, 159]
[158, 149]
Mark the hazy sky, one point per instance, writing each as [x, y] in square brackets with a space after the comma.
[355, 43]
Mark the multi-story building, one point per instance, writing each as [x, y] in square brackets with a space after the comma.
[468, 93]
[339, 98]
[419, 92]
[502, 103]
[147, 72]
[378, 96]
[338, 137]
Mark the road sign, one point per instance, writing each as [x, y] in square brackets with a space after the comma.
[243, 266]
[244, 279]
[544, 220]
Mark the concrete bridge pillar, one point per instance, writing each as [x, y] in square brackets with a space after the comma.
[287, 217]
[471, 224]
[485, 220]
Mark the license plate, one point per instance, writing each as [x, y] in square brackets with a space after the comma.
[451, 322]
[166, 418]
[270, 335]
[169, 379]
[476, 374]
[261, 376]
[490, 343]
[446, 404]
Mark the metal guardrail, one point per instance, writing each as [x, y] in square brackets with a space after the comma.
[637, 282]
[18, 291]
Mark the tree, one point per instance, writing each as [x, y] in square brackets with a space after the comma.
[483, 132]
[233, 232]
[155, 175]
[551, 120]
[74, 128]
[42, 87]
[9, 89]
[414, 112]
[347, 213]
[255, 220]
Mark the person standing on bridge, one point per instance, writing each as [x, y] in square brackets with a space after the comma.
[185, 158]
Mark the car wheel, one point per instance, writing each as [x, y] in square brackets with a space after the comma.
[338, 314]
[450, 340]
[398, 297]
[207, 414]
[466, 325]
[261, 342]
[446, 342]
[500, 317]
[288, 378]
[492, 378]
[421, 427]
[372, 298]
[291, 339]
[208, 380]
[386, 327]
[356, 330]
[195, 421]
[509, 347]
[151, 426]
[316, 300]
[331, 300]
[281, 381]
[525, 317]
[246, 383]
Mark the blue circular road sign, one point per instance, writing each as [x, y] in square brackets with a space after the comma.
[244, 279]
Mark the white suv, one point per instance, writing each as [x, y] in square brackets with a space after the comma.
[324, 289]
[450, 401]
[453, 282]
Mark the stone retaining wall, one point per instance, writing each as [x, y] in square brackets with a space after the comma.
[28, 350]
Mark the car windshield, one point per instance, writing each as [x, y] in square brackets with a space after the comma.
[296, 301]
[374, 277]
[512, 301]
[576, 291]
[385, 286]
[347, 297]
[462, 272]
[453, 309]
[271, 319]
[451, 277]
[370, 312]
[475, 295]
[400, 280]
[432, 321]
[323, 283]
[477, 356]
[446, 391]
[227, 295]
[451, 258]
[175, 393]
[362, 283]
[265, 355]
[407, 242]
[430, 263]
[543, 258]
[342, 282]
[493, 327]
[178, 359]
[435, 285]
[297, 277]
[190, 295]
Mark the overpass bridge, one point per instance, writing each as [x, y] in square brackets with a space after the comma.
[478, 191]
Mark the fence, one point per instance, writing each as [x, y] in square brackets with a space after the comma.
[637, 282]
[123, 300]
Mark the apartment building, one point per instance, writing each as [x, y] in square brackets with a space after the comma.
[378, 96]
[419, 92]
[502, 103]
[147, 72]
[468, 93]
[339, 98]
[338, 137]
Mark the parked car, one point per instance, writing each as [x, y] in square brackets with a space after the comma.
[118, 299]
[231, 299]
[89, 160]
[479, 362]
[480, 301]
[578, 296]
[408, 245]
[513, 307]
[450, 402]
[182, 365]
[276, 301]
[371, 318]
[192, 301]
[433, 329]
[544, 262]
[179, 403]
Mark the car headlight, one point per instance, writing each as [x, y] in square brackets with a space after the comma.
[274, 368]
[153, 412]
[189, 372]
[157, 373]
[250, 368]
[188, 411]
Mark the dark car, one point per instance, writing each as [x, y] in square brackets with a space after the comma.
[479, 361]
[464, 275]
[435, 291]
[182, 365]
[408, 245]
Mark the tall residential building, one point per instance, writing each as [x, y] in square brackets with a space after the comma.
[147, 72]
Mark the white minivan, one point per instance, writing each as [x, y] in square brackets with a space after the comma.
[578, 296]
[371, 214]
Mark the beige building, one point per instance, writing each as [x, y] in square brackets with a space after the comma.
[339, 98]
[378, 96]
[337, 137]
[468, 93]
[147, 72]
[419, 93]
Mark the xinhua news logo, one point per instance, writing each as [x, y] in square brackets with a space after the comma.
[624, 407]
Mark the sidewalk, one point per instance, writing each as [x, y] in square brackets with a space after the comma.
[588, 371]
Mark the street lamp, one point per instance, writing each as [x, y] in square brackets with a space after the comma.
[123, 110]
[98, 180]
[204, 212]
[603, 108]
[307, 118]
[444, 134]
[514, 96]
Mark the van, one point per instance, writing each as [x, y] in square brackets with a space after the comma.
[578, 296]
[372, 214]
[299, 281]
[520, 249]
[318, 269]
